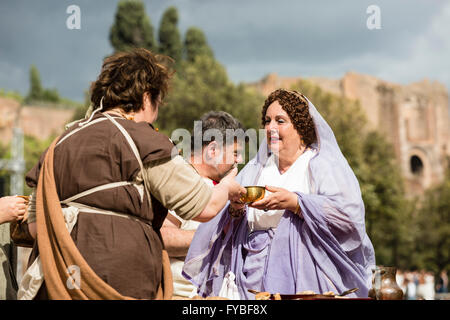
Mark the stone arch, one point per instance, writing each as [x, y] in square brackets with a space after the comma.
[419, 168]
[416, 165]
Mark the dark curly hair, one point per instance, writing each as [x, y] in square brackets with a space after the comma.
[126, 76]
[296, 106]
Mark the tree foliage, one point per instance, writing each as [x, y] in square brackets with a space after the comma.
[195, 44]
[36, 89]
[132, 27]
[201, 86]
[80, 111]
[37, 93]
[33, 148]
[387, 209]
[432, 229]
[169, 36]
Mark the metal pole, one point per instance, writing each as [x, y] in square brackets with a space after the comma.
[17, 163]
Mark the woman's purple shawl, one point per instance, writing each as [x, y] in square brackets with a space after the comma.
[326, 250]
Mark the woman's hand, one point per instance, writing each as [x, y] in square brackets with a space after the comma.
[12, 209]
[279, 199]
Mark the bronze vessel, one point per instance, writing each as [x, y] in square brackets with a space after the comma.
[254, 193]
[384, 284]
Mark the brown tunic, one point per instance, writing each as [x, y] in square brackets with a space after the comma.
[125, 253]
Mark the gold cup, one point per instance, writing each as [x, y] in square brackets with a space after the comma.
[254, 193]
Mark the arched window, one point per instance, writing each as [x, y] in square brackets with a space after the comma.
[416, 165]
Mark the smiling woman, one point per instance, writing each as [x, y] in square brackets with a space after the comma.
[295, 108]
[308, 231]
[289, 127]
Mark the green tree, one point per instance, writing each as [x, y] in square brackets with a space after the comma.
[80, 111]
[432, 233]
[387, 209]
[51, 95]
[4, 174]
[202, 86]
[132, 27]
[37, 93]
[33, 148]
[195, 44]
[169, 36]
[36, 90]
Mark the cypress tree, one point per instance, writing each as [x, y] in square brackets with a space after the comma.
[169, 36]
[36, 90]
[132, 27]
[195, 44]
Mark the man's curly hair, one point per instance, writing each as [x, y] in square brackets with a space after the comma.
[296, 106]
[126, 76]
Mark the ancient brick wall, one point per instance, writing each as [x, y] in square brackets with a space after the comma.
[38, 121]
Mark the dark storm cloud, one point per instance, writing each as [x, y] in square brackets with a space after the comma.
[250, 37]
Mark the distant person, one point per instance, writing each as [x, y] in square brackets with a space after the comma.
[11, 209]
[442, 283]
[307, 233]
[213, 161]
[420, 285]
[411, 288]
[401, 281]
[429, 286]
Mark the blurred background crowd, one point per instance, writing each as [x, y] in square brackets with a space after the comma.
[423, 284]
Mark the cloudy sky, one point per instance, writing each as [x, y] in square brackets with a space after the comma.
[250, 37]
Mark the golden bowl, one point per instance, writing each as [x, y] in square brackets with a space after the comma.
[254, 193]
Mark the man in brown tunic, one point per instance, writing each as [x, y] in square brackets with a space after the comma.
[121, 176]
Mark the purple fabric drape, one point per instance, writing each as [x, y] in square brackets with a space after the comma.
[326, 250]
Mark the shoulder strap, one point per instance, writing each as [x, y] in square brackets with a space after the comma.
[135, 151]
[128, 138]
[98, 188]
[80, 128]
[113, 184]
